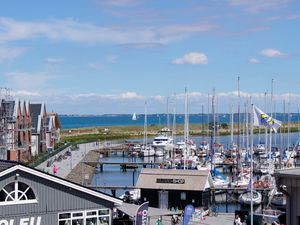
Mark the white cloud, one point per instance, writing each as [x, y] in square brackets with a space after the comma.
[129, 101]
[27, 81]
[100, 65]
[293, 17]
[254, 61]
[53, 61]
[118, 3]
[26, 94]
[176, 29]
[130, 95]
[87, 33]
[192, 58]
[271, 53]
[8, 53]
[256, 6]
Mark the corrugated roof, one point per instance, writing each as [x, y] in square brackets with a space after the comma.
[7, 167]
[295, 172]
[4, 164]
[171, 179]
[130, 210]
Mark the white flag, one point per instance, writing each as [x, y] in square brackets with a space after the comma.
[263, 119]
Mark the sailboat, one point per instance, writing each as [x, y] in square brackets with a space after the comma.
[134, 117]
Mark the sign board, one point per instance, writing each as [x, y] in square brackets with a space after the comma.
[170, 181]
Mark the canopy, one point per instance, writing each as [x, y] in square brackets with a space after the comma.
[130, 210]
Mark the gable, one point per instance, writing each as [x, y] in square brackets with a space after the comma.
[58, 187]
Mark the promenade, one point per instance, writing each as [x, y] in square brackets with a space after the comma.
[221, 219]
[68, 163]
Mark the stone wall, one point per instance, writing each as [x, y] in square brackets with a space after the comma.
[83, 173]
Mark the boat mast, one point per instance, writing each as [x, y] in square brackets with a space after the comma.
[289, 122]
[145, 127]
[251, 163]
[214, 129]
[238, 135]
[185, 128]
[270, 144]
[202, 118]
[168, 118]
[174, 126]
[266, 130]
[231, 125]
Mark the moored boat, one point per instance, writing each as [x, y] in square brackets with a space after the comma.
[245, 198]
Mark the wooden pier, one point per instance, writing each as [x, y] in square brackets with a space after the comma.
[123, 165]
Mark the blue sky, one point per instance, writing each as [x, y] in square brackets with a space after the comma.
[110, 56]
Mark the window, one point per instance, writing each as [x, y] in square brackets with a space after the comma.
[182, 196]
[17, 193]
[89, 217]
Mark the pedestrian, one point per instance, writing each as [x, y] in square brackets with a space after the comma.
[173, 220]
[158, 221]
[237, 220]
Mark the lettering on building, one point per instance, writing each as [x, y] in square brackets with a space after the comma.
[169, 181]
[22, 221]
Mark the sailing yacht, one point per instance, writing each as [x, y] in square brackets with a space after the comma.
[134, 117]
[146, 150]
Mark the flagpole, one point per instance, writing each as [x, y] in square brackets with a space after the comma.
[238, 134]
[251, 164]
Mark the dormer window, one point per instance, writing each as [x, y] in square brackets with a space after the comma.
[17, 193]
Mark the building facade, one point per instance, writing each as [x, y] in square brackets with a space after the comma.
[31, 197]
[288, 181]
[53, 131]
[167, 188]
[26, 129]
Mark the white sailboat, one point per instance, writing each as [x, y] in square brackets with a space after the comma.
[134, 117]
[146, 150]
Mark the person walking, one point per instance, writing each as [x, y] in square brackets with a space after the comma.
[158, 221]
[237, 220]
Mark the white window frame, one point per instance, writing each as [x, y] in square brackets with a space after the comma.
[17, 200]
[85, 216]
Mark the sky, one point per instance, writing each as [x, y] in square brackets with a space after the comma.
[112, 56]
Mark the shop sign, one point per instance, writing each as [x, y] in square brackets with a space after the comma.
[22, 221]
[170, 181]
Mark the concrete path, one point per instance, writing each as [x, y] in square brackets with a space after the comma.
[221, 219]
[65, 166]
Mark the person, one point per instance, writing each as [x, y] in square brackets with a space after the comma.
[237, 220]
[173, 220]
[158, 221]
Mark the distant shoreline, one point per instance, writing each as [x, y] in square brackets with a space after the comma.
[133, 132]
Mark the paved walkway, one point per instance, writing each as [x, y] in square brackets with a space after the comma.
[65, 166]
[221, 219]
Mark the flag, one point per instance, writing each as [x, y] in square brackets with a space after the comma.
[142, 214]
[263, 119]
[188, 212]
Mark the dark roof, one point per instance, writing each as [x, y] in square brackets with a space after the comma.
[5, 164]
[35, 110]
[291, 172]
